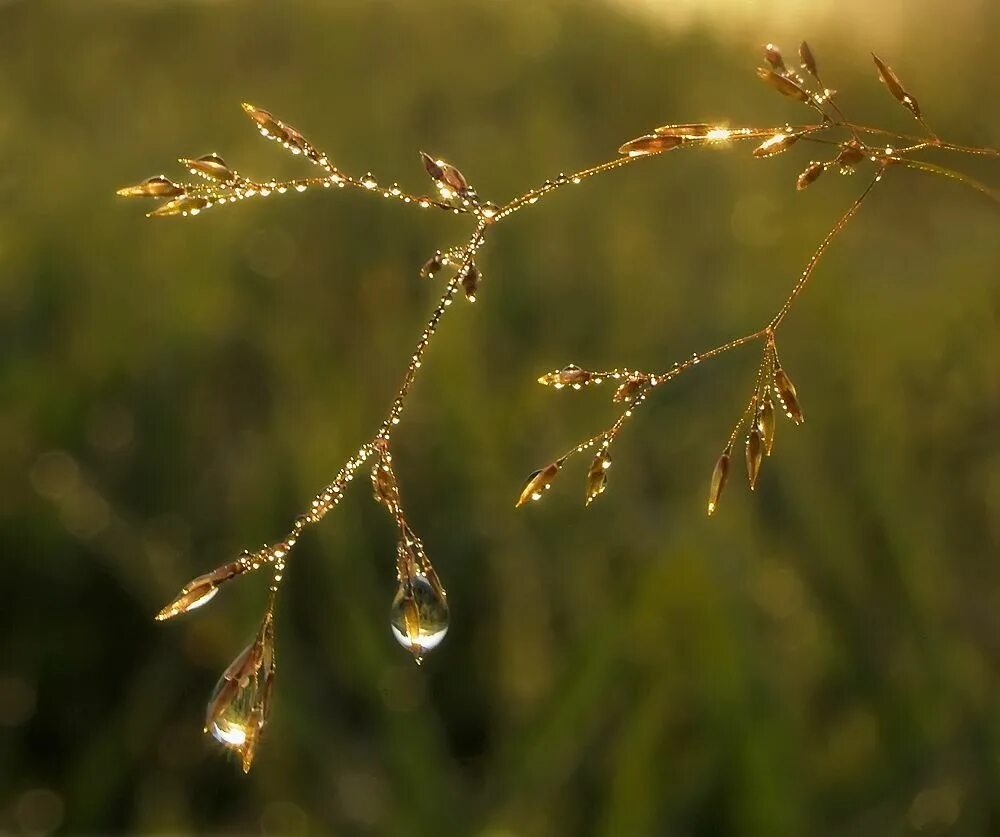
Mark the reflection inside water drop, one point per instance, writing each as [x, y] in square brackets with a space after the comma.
[419, 615]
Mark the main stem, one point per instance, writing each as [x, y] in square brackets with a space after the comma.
[332, 494]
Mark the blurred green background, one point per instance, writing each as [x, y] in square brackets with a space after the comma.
[822, 658]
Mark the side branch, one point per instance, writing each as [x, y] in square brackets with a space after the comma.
[821, 250]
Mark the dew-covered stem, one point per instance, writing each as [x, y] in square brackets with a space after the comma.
[818, 253]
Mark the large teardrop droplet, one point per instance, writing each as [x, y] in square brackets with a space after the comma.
[240, 704]
[419, 615]
[235, 717]
[229, 709]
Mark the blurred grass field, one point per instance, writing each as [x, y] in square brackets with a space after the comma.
[821, 658]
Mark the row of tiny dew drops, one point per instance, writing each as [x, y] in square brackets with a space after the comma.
[419, 615]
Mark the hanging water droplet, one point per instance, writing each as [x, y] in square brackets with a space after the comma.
[228, 714]
[419, 614]
[240, 702]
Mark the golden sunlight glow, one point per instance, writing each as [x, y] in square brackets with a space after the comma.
[232, 735]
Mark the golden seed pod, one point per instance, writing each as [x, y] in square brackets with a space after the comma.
[719, 476]
[809, 175]
[755, 454]
[454, 178]
[776, 144]
[444, 174]
[470, 281]
[197, 593]
[772, 55]
[431, 166]
[650, 144]
[597, 478]
[891, 80]
[211, 166]
[787, 397]
[273, 128]
[686, 129]
[430, 267]
[785, 86]
[808, 60]
[537, 484]
[200, 591]
[267, 123]
[158, 186]
[180, 206]
[765, 421]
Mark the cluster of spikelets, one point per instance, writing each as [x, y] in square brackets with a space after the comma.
[773, 388]
[241, 702]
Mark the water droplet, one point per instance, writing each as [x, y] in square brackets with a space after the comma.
[240, 702]
[419, 614]
[237, 720]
